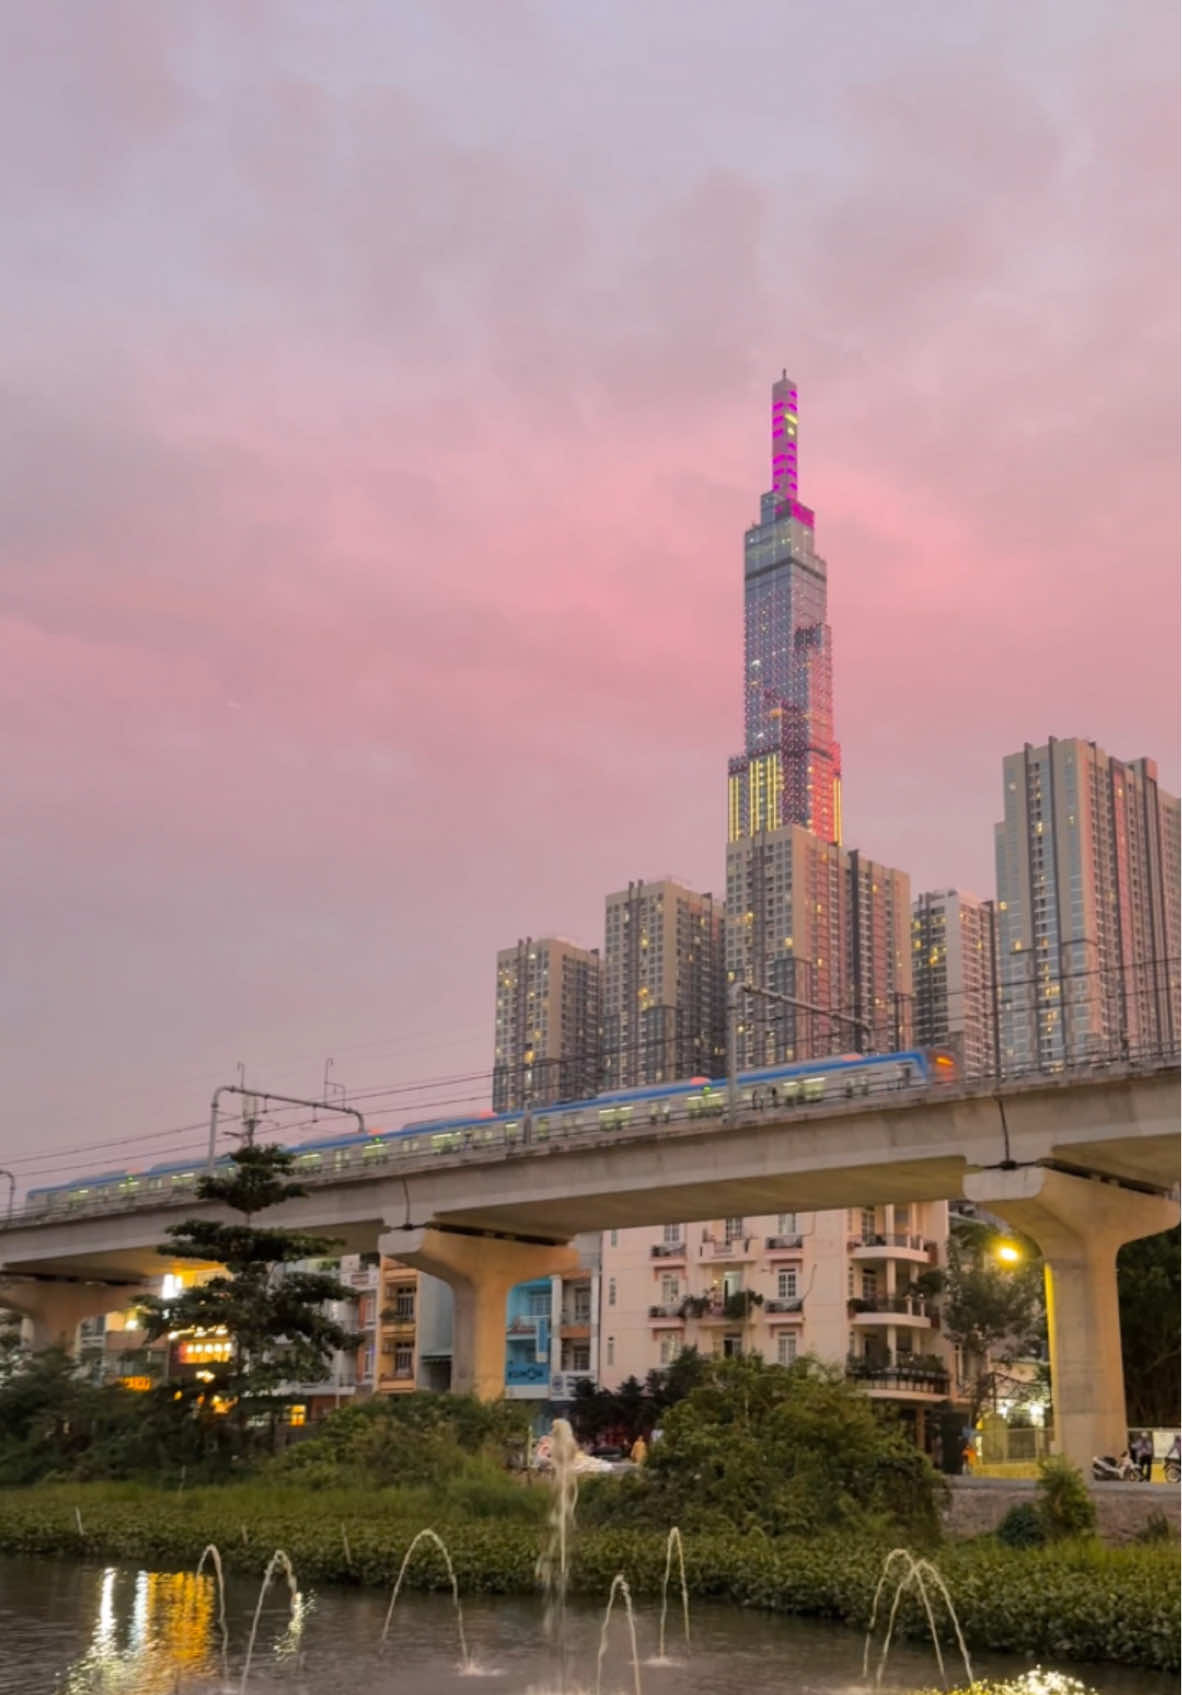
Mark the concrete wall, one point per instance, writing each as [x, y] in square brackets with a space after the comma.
[978, 1505]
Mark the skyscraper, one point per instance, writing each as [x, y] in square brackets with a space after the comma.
[827, 928]
[663, 1013]
[547, 1024]
[954, 966]
[790, 769]
[807, 919]
[1088, 907]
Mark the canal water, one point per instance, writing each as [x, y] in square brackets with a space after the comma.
[69, 1629]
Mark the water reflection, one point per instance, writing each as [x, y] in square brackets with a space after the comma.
[67, 1629]
[169, 1633]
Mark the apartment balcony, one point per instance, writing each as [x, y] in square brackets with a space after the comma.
[666, 1316]
[736, 1308]
[785, 1312]
[366, 1278]
[733, 1252]
[575, 1330]
[668, 1251]
[910, 1311]
[527, 1326]
[397, 1323]
[396, 1382]
[919, 1382]
[780, 1245]
[892, 1245]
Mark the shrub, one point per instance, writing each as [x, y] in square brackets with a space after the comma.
[1064, 1505]
[789, 1451]
[1157, 1528]
[1022, 1527]
[420, 1439]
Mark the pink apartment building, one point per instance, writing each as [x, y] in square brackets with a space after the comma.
[839, 1285]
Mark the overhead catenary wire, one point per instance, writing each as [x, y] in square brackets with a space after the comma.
[1016, 998]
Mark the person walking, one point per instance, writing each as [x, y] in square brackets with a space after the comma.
[1143, 1454]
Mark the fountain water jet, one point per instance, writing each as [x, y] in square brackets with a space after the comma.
[673, 1538]
[553, 1567]
[915, 1571]
[217, 1566]
[619, 1586]
[277, 1558]
[431, 1536]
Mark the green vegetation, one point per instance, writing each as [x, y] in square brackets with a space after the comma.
[779, 1450]
[1064, 1506]
[1149, 1275]
[433, 1455]
[995, 1312]
[635, 1408]
[54, 1422]
[1069, 1600]
[272, 1312]
[1022, 1527]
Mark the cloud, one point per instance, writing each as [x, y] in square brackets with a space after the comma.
[389, 401]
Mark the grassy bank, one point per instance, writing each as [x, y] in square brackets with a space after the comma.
[1071, 1601]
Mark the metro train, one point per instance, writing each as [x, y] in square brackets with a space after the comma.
[851, 1077]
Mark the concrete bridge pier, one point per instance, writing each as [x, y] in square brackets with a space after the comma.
[1078, 1223]
[53, 1309]
[480, 1271]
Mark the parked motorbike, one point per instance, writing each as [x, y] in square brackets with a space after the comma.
[1172, 1467]
[1107, 1469]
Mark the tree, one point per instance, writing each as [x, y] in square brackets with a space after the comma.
[1150, 1290]
[995, 1313]
[272, 1313]
[791, 1449]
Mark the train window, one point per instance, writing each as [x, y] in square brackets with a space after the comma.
[813, 1088]
[542, 1130]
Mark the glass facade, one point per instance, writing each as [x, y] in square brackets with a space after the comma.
[790, 770]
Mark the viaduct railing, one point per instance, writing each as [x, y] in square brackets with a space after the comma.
[485, 1143]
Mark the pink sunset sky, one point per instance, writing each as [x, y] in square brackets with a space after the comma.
[385, 397]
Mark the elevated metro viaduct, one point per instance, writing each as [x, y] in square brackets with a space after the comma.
[1080, 1162]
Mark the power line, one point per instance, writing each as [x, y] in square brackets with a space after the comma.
[1012, 1001]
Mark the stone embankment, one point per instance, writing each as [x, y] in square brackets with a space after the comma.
[978, 1504]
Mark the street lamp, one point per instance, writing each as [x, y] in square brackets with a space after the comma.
[1009, 1253]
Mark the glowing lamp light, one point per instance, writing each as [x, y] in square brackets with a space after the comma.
[1009, 1253]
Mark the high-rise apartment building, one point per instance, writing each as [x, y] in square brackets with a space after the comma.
[826, 928]
[663, 995]
[547, 1044]
[790, 769]
[954, 968]
[1088, 907]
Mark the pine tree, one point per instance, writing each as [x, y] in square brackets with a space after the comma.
[272, 1314]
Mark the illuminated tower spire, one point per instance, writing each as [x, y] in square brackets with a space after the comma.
[785, 425]
[790, 772]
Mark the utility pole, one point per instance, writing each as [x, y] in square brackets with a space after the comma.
[250, 1113]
